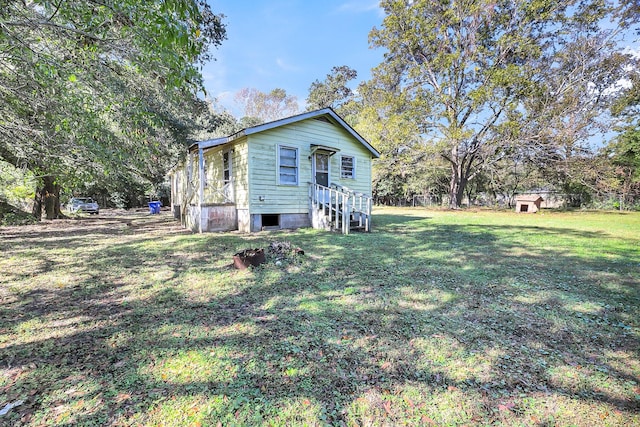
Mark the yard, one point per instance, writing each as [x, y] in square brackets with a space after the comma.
[434, 318]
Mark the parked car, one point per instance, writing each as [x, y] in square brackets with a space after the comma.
[83, 204]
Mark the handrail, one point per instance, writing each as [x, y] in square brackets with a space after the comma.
[340, 205]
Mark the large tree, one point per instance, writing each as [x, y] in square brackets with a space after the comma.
[99, 89]
[623, 153]
[487, 79]
[333, 91]
[260, 107]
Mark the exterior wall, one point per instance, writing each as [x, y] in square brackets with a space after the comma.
[266, 196]
[219, 218]
[214, 189]
[240, 172]
[213, 183]
[531, 207]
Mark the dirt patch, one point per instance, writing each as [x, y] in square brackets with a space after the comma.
[108, 222]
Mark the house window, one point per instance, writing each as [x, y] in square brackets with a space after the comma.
[226, 167]
[288, 165]
[347, 167]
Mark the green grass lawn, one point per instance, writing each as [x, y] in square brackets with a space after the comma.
[434, 318]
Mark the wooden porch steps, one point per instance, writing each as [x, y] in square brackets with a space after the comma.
[339, 209]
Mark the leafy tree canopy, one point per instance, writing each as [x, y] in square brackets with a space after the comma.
[483, 80]
[333, 91]
[260, 107]
[101, 90]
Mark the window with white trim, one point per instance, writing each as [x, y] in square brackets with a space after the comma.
[347, 167]
[226, 167]
[287, 165]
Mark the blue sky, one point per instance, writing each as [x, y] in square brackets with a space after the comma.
[288, 44]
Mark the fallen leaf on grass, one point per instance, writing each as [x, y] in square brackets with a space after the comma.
[508, 406]
[387, 407]
[426, 420]
[121, 397]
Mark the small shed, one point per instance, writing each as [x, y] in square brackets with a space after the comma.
[528, 203]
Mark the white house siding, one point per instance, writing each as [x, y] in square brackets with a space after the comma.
[263, 171]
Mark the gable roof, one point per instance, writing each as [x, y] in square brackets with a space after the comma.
[528, 198]
[325, 112]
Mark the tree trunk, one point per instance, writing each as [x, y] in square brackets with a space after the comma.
[457, 186]
[47, 196]
[37, 204]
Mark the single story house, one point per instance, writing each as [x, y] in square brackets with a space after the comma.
[528, 203]
[311, 169]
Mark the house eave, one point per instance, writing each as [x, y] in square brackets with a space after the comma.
[210, 143]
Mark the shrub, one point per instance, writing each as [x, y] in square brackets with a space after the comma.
[12, 218]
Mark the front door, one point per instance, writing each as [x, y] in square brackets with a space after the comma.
[321, 168]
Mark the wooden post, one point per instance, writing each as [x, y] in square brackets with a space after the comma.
[369, 209]
[201, 189]
[337, 207]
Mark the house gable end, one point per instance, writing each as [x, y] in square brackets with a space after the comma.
[325, 115]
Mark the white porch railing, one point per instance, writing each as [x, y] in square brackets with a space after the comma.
[339, 208]
[225, 193]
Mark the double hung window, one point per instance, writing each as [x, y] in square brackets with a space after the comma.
[287, 165]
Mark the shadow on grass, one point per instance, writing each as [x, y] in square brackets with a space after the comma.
[446, 308]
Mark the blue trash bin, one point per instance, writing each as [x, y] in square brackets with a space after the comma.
[154, 207]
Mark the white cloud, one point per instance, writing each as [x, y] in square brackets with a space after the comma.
[633, 51]
[285, 66]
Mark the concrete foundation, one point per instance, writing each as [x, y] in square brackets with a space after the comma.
[285, 221]
[244, 220]
[228, 218]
